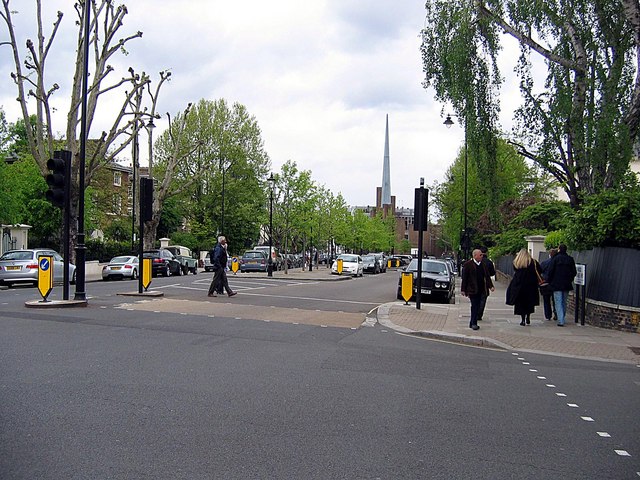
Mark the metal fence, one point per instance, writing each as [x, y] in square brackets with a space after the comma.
[612, 273]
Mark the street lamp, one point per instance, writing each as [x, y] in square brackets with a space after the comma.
[135, 152]
[272, 181]
[465, 232]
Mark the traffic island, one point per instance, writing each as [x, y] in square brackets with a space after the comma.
[152, 293]
[55, 303]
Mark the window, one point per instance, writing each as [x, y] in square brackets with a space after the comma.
[117, 178]
[117, 204]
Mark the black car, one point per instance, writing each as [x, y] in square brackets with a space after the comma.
[163, 262]
[438, 282]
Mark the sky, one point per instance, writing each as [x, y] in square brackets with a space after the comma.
[319, 77]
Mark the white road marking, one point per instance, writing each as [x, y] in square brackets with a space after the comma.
[561, 394]
[604, 434]
[587, 419]
[623, 453]
[573, 405]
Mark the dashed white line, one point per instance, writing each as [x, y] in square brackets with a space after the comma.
[587, 419]
[573, 405]
[623, 453]
[604, 434]
[561, 394]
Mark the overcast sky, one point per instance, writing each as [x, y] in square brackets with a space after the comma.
[319, 77]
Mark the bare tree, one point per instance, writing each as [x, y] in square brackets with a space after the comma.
[34, 93]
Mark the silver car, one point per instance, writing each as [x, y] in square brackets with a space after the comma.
[21, 266]
[125, 266]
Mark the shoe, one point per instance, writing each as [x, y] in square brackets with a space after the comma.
[561, 324]
[548, 319]
[220, 292]
[522, 323]
[231, 294]
[475, 327]
[528, 322]
[211, 295]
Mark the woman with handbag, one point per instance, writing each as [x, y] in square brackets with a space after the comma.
[522, 291]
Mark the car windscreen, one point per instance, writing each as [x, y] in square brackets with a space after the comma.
[429, 267]
[348, 258]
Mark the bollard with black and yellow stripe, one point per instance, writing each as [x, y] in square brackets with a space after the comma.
[407, 286]
[45, 276]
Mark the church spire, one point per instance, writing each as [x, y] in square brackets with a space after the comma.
[386, 169]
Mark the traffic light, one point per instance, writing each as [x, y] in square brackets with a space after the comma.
[146, 199]
[58, 179]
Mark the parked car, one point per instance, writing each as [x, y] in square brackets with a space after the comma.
[187, 261]
[370, 264]
[21, 266]
[253, 261]
[351, 265]
[163, 263]
[278, 262]
[125, 266]
[438, 282]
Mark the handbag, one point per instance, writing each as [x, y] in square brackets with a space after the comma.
[541, 281]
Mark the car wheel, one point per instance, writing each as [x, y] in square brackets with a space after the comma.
[167, 271]
[105, 279]
[134, 274]
[185, 270]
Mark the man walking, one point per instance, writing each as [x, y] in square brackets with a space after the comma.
[488, 264]
[560, 275]
[476, 283]
[219, 265]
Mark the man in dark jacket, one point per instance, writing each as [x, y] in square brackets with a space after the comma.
[545, 291]
[476, 282]
[488, 264]
[560, 275]
[219, 265]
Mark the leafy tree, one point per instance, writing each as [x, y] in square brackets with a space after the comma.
[580, 125]
[212, 160]
[513, 182]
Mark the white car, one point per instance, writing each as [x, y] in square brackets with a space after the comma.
[125, 266]
[351, 265]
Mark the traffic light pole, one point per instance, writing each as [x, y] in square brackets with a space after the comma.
[65, 155]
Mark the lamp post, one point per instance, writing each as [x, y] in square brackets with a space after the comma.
[270, 261]
[133, 189]
[464, 241]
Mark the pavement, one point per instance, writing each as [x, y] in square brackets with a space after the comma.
[500, 328]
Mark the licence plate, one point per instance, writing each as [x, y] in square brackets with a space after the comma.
[115, 268]
[426, 292]
[12, 267]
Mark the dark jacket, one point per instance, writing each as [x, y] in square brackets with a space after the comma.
[489, 266]
[219, 258]
[470, 284]
[522, 291]
[561, 272]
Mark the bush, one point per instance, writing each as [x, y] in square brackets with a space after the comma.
[105, 251]
[608, 219]
[553, 239]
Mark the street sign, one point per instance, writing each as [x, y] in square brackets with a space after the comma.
[235, 264]
[581, 276]
[45, 275]
[146, 273]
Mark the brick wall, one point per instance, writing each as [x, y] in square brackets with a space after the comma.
[606, 315]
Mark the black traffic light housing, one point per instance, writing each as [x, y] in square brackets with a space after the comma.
[59, 179]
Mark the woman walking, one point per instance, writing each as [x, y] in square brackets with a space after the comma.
[522, 292]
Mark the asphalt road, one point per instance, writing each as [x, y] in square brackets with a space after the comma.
[117, 392]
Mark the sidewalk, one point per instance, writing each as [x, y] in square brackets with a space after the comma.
[500, 328]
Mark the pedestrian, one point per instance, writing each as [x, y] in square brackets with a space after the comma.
[476, 282]
[545, 290]
[522, 291]
[492, 273]
[219, 265]
[560, 274]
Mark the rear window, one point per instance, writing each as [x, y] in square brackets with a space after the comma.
[17, 256]
[254, 255]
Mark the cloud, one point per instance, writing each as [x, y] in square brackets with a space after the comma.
[319, 77]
